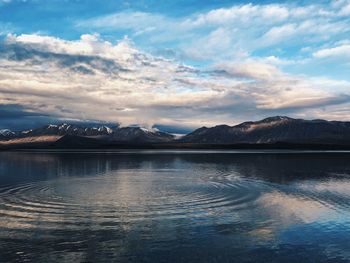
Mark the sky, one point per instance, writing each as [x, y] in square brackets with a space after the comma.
[173, 64]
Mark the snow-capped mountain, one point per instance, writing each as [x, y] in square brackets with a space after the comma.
[125, 134]
[6, 133]
[139, 134]
[68, 129]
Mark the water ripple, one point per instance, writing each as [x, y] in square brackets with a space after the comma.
[70, 201]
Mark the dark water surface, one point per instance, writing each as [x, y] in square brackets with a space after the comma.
[163, 206]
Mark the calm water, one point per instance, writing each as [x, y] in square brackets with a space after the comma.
[174, 207]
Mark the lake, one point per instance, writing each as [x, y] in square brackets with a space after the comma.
[175, 206]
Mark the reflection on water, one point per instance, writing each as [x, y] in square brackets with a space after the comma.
[174, 207]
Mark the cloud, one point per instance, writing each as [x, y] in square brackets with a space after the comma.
[230, 32]
[311, 30]
[93, 79]
[88, 45]
[273, 89]
[14, 115]
[248, 61]
[118, 80]
[345, 9]
[139, 21]
[342, 51]
[247, 13]
[251, 70]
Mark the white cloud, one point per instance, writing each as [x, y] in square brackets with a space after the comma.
[127, 20]
[279, 34]
[132, 80]
[95, 79]
[248, 13]
[313, 30]
[345, 10]
[251, 70]
[248, 50]
[342, 51]
[227, 33]
[87, 45]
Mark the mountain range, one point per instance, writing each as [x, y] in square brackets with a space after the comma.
[269, 131]
[115, 133]
[273, 130]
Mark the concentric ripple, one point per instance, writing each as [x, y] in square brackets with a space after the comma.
[121, 197]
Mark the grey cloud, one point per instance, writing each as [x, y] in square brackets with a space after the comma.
[317, 103]
[10, 111]
[82, 70]
[16, 117]
[83, 63]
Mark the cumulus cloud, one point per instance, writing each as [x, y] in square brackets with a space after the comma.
[93, 79]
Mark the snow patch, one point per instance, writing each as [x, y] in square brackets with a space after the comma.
[6, 132]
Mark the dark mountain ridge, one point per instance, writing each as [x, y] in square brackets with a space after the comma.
[272, 130]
